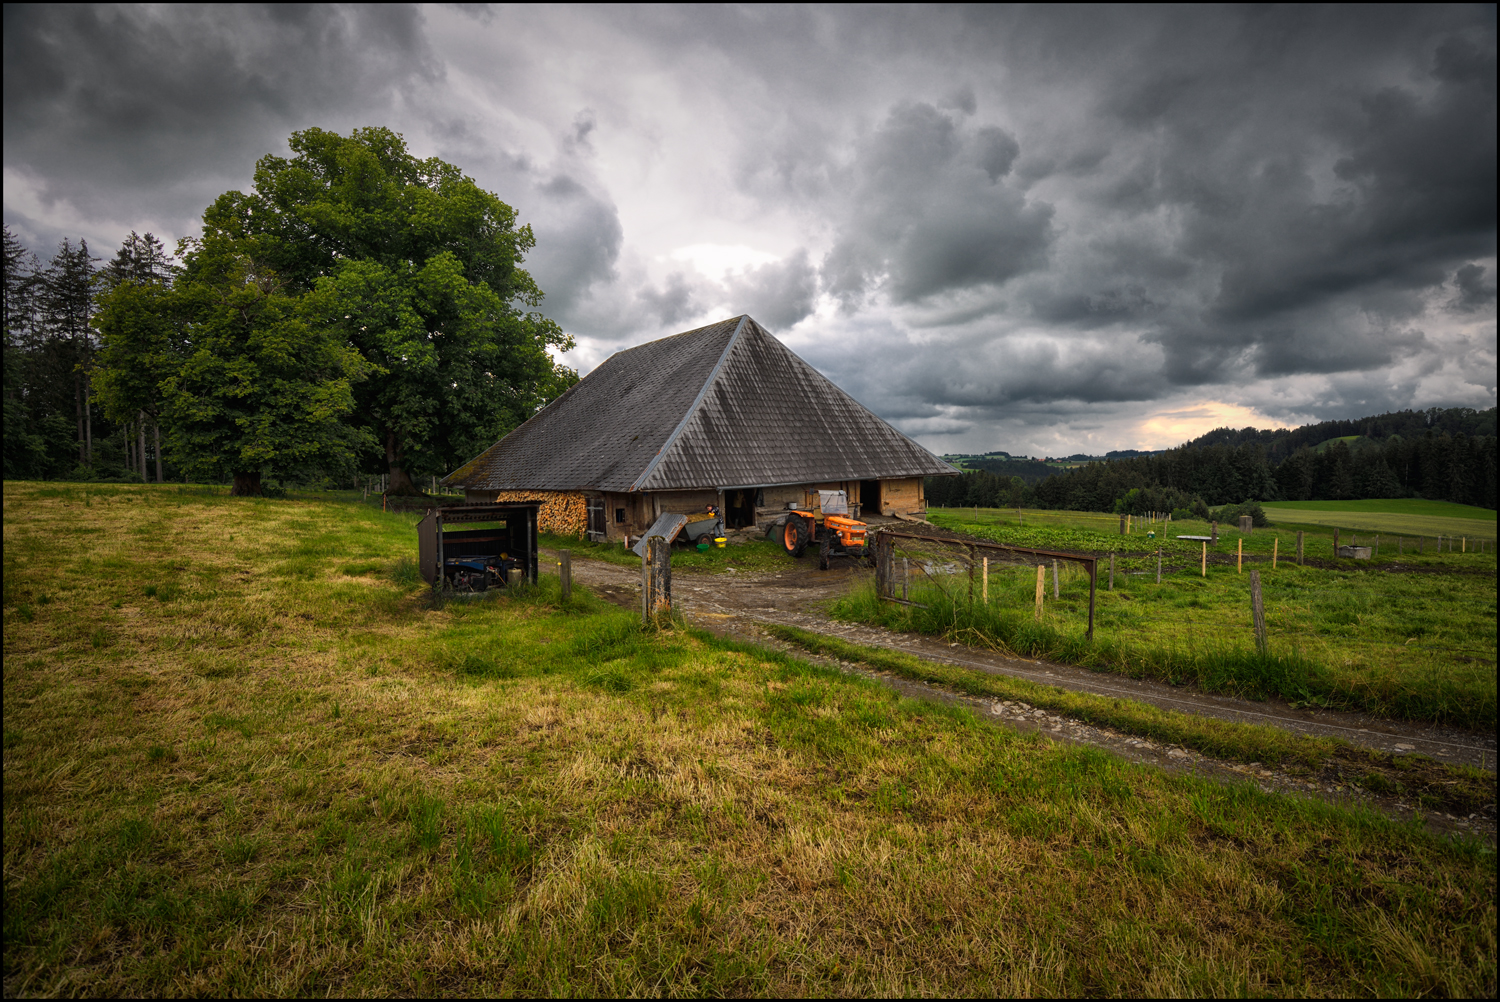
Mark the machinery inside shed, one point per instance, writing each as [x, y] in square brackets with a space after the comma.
[496, 548]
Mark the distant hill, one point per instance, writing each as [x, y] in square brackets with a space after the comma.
[1438, 454]
[1280, 443]
[1029, 470]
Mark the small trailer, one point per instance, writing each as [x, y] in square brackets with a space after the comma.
[499, 552]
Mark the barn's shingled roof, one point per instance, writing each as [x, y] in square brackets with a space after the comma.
[725, 405]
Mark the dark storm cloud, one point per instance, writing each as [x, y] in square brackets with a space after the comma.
[779, 294]
[578, 240]
[671, 304]
[1017, 208]
[1311, 181]
[111, 105]
[1259, 192]
[927, 211]
[1476, 288]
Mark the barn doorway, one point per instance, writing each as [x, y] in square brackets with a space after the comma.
[739, 509]
[597, 530]
[869, 497]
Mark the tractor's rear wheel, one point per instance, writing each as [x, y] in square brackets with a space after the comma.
[794, 535]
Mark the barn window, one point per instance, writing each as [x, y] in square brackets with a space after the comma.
[620, 515]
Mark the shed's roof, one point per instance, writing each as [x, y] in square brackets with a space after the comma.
[725, 405]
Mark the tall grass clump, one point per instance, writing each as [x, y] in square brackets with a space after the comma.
[405, 573]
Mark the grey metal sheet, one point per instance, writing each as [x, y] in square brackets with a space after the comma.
[667, 526]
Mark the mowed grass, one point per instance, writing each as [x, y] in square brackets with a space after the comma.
[1417, 643]
[285, 771]
[1399, 516]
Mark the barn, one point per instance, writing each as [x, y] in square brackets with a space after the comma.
[724, 415]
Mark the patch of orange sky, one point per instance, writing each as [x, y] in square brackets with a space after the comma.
[1166, 429]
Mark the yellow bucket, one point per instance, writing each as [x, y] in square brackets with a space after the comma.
[719, 541]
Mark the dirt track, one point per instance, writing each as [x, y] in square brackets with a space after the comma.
[738, 603]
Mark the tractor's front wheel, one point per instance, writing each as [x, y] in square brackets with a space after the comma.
[794, 535]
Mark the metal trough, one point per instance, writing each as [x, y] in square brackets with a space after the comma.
[1357, 552]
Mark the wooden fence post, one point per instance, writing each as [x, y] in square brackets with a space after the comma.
[658, 579]
[565, 573]
[1258, 612]
[1239, 558]
[1275, 550]
[1299, 548]
[1041, 583]
[1056, 588]
[1093, 588]
[1158, 565]
[905, 577]
[661, 573]
[986, 584]
[883, 551]
[971, 573]
[1122, 525]
[1203, 569]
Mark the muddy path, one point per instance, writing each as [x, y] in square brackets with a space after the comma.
[740, 604]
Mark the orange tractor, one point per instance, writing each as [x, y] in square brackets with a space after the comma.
[836, 535]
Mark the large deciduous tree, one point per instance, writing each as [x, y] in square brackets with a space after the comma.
[258, 384]
[418, 269]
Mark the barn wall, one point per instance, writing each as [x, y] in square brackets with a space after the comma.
[637, 508]
[902, 497]
[685, 502]
[563, 513]
[774, 499]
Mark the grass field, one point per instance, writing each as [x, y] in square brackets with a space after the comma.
[1418, 644]
[1399, 517]
[1392, 506]
[245, 755]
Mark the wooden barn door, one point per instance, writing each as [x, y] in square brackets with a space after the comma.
[596, 531]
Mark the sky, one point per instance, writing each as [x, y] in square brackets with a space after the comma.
[1043, 230]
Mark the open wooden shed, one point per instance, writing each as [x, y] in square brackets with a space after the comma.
[501, 535]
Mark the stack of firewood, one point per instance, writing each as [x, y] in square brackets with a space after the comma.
[562, 513]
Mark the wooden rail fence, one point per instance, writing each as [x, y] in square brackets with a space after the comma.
[885, 563]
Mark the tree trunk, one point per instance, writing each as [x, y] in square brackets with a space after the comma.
[140, 431]
[88, 423]
[400, 482]
[78, 406]
[246, 484]
[156, 430]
